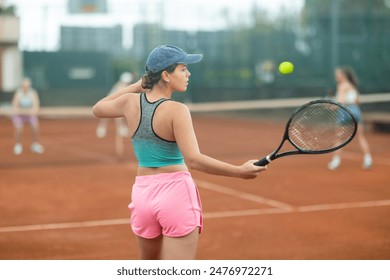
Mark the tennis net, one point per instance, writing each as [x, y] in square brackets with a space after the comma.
[375, 106]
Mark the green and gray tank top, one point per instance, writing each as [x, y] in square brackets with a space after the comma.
[150, 149]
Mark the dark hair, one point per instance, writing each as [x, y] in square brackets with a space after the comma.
[149, 80]
[350, 75]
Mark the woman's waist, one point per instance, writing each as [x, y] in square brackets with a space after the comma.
[151, 154]
[150, 171]
[147, 179]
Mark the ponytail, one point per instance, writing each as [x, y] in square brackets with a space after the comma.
[149, 80]
[350, 75]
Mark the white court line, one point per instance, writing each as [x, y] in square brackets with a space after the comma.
[299, 209]
[207, 215]
[359, 157]
[244, 195]
[345, 205]
[84, 224]
[243, 213]
[280, 207]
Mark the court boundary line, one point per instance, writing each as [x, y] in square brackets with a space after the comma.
[207, 215]
[278, 207]
[243, 195]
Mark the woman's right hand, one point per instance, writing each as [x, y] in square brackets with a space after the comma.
[138, 86]
[250, 171]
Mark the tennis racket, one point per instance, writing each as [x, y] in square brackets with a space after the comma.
[318, 127]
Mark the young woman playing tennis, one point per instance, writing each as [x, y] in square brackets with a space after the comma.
[348, 94]
[166, 213]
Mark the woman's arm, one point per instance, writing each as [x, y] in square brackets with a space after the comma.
[341, 90]
[133, 88]
[36, 104]
[15, 103]
[358, 97]
[188, 144]
[114, 105]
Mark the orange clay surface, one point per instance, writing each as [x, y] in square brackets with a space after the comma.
[71, 202]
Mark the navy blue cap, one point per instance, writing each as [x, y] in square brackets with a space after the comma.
[166, 55]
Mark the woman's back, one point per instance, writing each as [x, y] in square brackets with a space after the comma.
[152, 149]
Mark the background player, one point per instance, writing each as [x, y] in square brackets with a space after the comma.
[348, 94]
[121, 130]
[25, 105]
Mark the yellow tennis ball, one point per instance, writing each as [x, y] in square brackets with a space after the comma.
[286, 67]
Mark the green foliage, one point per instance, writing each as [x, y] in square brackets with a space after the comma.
[315, 8]
[8, 10]
[234, 57]
[248, 44]
[360, 36]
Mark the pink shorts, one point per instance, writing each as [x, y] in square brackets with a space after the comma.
[167, 204]
[19, 120]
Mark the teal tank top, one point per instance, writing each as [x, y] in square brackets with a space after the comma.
[150, 149]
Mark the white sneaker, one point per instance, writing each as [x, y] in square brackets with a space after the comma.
[18, 149]
[334, 163]
[37, 148]
[100, 132]
[367, 161]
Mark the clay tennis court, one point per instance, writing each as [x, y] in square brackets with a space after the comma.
[71, 202]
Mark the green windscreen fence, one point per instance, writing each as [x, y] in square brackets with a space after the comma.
[240, 62]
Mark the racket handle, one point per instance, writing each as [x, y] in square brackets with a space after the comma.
[263, 162]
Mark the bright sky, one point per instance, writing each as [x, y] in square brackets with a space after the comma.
[41, 19]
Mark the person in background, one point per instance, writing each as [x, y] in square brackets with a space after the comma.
[348, 94]
[25, 106]
[120, 123]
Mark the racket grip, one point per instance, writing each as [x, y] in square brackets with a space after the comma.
[262, 162]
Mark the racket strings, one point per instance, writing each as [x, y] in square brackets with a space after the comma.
[321, 126]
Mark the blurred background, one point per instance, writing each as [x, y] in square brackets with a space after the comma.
[71, 202]
[74, 50]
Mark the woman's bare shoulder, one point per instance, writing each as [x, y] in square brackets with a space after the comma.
[177, 107]
[175, 110]
[344, 87]
[132, 97]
